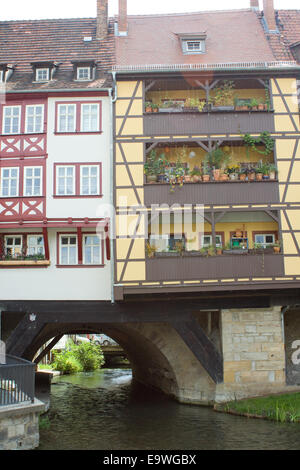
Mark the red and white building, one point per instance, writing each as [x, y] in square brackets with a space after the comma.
[55, 158]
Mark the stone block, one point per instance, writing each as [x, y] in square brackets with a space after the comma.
[237, 366]
[272, 347]
[229, 377]
[254, 356]
[269, 365]
[250, 328]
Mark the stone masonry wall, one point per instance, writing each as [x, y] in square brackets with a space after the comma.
[253, 351]
[19, 426]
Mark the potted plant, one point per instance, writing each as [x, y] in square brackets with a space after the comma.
[171, 107]
[214, 160]
[187, 176]
[265, 167]
[232, 172]
[180, 247]
[251, 174]
[243, 173]
[155, 108]
[253, 104]
[272, 171]
[196, 175]
[259, 172]
[148, 107]
[261, 105]
[152, 167]
[277, 246]
[223, 99]
[150, 250]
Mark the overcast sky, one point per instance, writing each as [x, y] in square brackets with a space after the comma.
[35, 9]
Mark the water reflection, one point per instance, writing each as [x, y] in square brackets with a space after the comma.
[105, 411]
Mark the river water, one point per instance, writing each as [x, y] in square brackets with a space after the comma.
[104, 410]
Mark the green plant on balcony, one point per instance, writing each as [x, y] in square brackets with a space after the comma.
[254, 104]
[267, 96]
[272, 171]
[154, 166]
[194, 103]
[277, 246]
[224, 95]
[148, 107]
[264, 139]
[23, 257]
[180, 247]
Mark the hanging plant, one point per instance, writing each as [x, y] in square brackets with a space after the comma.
[263, 139]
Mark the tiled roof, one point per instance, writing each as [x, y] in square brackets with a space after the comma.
[59, 40]
[288, 23]
[232, 36]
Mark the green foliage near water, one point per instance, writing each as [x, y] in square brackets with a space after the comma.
[85, 357]
[281, 408]
[44, 422]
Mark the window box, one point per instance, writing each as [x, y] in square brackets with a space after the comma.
[25, 262]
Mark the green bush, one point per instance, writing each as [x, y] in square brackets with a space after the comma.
[89, 355]
[66, 362]
[83, 357]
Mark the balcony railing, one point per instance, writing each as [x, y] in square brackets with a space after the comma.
[213, 192]
[194, 266]
[17, 381]
[186, 123]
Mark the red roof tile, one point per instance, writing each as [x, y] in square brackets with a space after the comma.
[59, 40]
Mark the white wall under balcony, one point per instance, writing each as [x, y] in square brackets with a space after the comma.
[53, 283]
[76, 148]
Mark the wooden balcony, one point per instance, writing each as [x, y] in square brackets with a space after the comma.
[226, 266]
[214, 192]
[195, 123]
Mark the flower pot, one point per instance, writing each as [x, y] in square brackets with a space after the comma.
[259, 176]
[261, 107]
[233, 176]
[223, 177]
[196, 179]
[206, 178]
[151, 178]
[187, 179]
[242, 177]
[266, 177]
[276, 249]
[148, 110]
[216, 174]
[155, 110]
[219, 251]
[252, 176]
[272, 175]
[161, 178]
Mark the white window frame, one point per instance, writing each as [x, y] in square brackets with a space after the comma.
[84, 245]
[10, 178]
[205, 245]
[65, 177]
[5, 108]
[81, 69]
[59, 114]
[1, 76]
[13, 246]
[68, 235]
[97, 179]
[35, 130]
[187, 50]
[42, 70]
[35, 245]
[265, 244]
[90, 117]
[33, 178]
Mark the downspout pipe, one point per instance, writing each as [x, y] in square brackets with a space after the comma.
[113, 99]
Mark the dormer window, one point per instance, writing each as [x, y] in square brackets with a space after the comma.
[84, 70]
[83, 73]
[192, 43]
[42, 75]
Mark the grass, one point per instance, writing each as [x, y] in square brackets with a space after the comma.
[45, 366]
[44, 422]
[281, 408]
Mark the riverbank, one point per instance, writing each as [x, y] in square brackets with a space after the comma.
[283, 408]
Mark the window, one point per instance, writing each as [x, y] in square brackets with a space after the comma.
[68, 249]
[160, 242]
[265, 239]
[42, 75]
[65, 182]
[83, 73]
[1, 76]
[78, 117]
[32, 181]
[77, 180]
[12, 245]
[34, 118]
[11, 119]
[89, 180]
[92, 249]
[35, 245]
[66, 117]
[90, 117]
[206, 240]
[193, 45]
[9, 182]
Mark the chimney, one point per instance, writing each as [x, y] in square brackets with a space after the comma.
[123, 25]
[269, 14]
[102, 19]
[254, 4]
